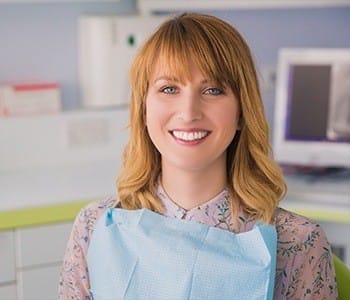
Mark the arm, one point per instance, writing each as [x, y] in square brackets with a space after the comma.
[312, 273]
[74, 277]
[74, 281]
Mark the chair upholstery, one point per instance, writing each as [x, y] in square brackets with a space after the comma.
[342, 273]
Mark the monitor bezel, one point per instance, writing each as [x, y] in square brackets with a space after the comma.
[310, 152]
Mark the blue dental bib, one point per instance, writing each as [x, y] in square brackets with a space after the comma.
[139, 254]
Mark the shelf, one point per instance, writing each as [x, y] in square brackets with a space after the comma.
[149, 6]
[46, 141]
[54, 1]
[49, 162]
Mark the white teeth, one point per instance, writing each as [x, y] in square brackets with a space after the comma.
[190, 136]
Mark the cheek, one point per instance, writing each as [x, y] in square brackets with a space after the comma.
[228, 117]
[157, 113]
[151, 115]
[236, 116]
[151, 128]
[149, 112]
[229, 122]
[155, 122]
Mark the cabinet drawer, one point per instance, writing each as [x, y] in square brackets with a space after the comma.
[8, 292]
[39, 283]
[7, 257]
[41, 245]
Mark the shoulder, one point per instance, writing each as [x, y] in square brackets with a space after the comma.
[87, 218]
[95, 209]
[297, 229]
[299, 237]
[282, 215]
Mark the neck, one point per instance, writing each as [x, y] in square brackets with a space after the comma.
[189, 189]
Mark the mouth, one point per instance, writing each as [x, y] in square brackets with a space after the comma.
[189, 136]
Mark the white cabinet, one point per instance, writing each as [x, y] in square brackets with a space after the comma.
[30, 261]
[39, 252]
[7, 266]
[39, 283]
[8, 292]
[7, 257]
[40, 245]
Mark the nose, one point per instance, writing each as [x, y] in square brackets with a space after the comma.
[190, 108]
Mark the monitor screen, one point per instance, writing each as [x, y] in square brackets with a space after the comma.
[312, 109]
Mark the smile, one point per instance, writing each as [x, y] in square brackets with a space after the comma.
[189, 136]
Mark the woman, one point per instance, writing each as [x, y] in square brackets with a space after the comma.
[199, 152]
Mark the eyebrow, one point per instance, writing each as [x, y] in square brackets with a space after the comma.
[168, 78]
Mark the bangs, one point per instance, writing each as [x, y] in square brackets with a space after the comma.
[180, 41]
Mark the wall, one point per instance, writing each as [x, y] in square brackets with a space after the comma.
[40, 40]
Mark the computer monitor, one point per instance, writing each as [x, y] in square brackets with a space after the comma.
[312, 109]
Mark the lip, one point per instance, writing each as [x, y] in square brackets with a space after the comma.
[189, 130]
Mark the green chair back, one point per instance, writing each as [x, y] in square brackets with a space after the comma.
[342, 273]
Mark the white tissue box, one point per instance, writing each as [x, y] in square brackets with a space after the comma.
[29, 99]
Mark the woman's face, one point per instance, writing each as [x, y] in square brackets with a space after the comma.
[190, 123]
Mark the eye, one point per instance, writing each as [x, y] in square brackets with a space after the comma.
[169, 90]
[213, 91]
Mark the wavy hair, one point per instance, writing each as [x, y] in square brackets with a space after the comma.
[254, 179]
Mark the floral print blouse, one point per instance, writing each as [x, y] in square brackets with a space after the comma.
[304, 261]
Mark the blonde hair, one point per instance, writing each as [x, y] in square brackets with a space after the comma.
[221, 53]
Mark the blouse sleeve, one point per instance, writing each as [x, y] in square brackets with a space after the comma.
[74, 276]
[312, 274]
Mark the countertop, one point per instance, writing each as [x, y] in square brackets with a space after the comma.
[34, 197]
[41, 196]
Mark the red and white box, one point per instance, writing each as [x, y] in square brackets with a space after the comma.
[29, 99]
